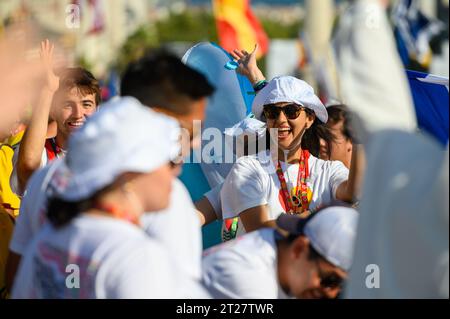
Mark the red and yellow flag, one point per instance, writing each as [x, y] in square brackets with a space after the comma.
[238, 27]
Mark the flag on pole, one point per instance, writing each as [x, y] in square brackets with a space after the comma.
[238, 27]
[430, 94]
[414, 32]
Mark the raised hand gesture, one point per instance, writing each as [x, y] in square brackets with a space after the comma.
[46, 53]
[248, 66]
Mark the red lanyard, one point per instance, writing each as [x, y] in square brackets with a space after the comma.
[299, 202]
[117, 213]
[52, 149]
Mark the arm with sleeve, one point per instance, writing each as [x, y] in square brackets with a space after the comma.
[243, 188]
[213, 197]
[338, 174]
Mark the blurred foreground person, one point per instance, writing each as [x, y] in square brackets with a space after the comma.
[311, 262]
[93, 246]
[156, 80]
[402, 247]
[21, 75]
[64, 102]
[162, 82]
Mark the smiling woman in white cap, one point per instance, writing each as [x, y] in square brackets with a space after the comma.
[288, 178]
[312, 261]
[94, 247]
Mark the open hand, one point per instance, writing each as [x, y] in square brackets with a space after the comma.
[248, 66]
[46, 53]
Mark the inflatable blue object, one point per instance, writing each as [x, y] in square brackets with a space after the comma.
[430, 94]
[230, 104]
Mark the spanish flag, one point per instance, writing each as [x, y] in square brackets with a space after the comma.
[237, 26]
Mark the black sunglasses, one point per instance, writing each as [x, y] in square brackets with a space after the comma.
[332, 281]
[291, 111]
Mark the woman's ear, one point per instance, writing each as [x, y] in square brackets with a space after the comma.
[349, 146]
[300, 246]
[310, 118]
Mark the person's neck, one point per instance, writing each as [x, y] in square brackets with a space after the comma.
[52, 129]
[290, 157]
[118, 200]
[61, 141]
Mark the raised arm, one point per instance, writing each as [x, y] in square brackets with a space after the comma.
[248, 66]
[349, 190]
[34, 138]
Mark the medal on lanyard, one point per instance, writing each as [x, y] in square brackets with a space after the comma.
[299, 202]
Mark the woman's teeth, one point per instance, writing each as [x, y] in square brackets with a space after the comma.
[283, 132]
[76, 124]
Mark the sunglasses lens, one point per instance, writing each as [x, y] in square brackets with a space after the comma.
[272, 112]
[292, 111]
[332, 281]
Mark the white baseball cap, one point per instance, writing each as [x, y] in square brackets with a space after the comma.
[331, 231]
[292, 90]
[124, 136]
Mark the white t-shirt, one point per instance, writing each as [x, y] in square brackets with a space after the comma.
[33, 208]
[253, 182]
[114, 259]
[245, 268]
[178, 229]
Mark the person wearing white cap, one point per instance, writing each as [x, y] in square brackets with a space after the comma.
[312, 261]
[168, 95]
[163, 83]
[288, 178]
[93, 246]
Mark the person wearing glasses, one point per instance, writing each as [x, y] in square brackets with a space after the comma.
[162, 82]
[288, 178]
[305, 258]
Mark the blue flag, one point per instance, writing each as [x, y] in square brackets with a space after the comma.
[430, 94]
[413, 33]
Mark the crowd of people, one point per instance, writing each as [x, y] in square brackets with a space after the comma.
[93, 207]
